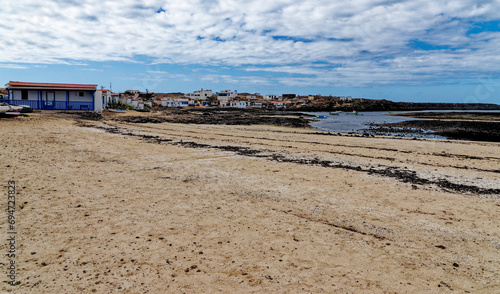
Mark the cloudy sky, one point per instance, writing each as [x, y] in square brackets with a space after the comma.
[418, 50]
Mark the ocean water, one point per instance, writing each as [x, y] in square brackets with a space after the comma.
[359, 124]
[346, 123]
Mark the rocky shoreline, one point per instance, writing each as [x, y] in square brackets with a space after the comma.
[218, 116]
[474, 126]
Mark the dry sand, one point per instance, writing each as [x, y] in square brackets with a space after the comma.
[108, 207]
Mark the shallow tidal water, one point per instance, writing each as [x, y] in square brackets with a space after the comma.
[360, 124]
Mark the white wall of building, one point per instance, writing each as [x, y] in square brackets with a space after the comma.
[239, 104]
[177, 102]
[59, 95]
[200, 94]
[106, 97]
[271, 97]
[227, 94]
[98, 101]
[168, 103]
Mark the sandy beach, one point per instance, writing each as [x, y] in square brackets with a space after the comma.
[110, 206]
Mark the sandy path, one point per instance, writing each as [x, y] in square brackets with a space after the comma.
[116, 212]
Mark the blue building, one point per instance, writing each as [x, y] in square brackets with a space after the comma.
[54, 96]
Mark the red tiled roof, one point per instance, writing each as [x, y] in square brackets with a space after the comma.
[20, 85]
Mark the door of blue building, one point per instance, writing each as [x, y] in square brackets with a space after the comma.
[49, 101]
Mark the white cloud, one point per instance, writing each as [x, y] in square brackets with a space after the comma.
[368, 39]
[13, 66]
[237, 80]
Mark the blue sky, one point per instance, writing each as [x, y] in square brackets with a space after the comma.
[398, 50]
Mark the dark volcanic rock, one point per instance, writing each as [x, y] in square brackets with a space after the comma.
[462, 130]
[227, 117]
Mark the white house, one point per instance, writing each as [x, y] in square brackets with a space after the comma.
[271, 97]
[180, 102]
[168, 103]
[239, 104]
[55, 96]
[346, 98]
[184, 102]
[257, 104]
[134, 103]
[106, 97]
[115, 97]
[227, 95]
[278, 104]
[200, 95]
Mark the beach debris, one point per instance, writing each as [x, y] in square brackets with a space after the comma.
[443, 284]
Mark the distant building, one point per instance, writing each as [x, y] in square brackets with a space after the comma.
[256, 104]
[179, 102]
[239, 104]
[168, 103]
[106, 97]
[200, 95]
[115, 97]
[271, 97]
[182, 102]
[227, 95]
[55, 96]
[277, 104]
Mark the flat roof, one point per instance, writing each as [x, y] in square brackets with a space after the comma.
[53, 86]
